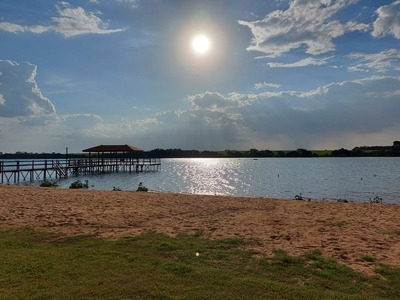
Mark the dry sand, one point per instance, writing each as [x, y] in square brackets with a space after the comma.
[341, 230]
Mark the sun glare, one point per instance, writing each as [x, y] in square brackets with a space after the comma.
[201, 44]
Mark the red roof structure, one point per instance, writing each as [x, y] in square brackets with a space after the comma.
[113, 148]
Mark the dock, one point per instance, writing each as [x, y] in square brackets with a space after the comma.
[26, 170]
[108, 159]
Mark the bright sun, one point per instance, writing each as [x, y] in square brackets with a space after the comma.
[201, 44]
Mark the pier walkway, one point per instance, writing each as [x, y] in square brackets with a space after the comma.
[30, 170]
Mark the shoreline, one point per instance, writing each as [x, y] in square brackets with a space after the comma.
[305, 199]
[344, 231]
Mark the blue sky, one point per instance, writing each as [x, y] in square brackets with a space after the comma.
[277, 74]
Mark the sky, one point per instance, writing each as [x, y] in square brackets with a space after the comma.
[271, 75]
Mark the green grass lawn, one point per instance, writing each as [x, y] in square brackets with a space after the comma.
[41, 265]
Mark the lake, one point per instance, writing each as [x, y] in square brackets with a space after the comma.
[354, 179]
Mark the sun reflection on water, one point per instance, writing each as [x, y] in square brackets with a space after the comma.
[211, 176]
[322, 178]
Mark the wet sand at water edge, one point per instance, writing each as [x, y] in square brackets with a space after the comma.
[341, 230]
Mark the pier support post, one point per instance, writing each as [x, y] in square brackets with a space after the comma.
[17, 172]
[31, 173]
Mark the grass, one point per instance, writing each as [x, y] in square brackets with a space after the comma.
[367, 257]
[322, 152]
[393, 232]
[41, 265]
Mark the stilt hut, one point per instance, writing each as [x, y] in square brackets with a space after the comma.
[115, 157]
[114, 151]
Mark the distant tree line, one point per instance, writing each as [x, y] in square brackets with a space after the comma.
[362, 151]
[31, 155]
[179, 153]
[377, 151]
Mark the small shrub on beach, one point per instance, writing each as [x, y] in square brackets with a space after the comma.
[142, 188]
[46, 183]
[298, 197]
[343, 200]
[366, 257]
[377, 199]
[79, 185]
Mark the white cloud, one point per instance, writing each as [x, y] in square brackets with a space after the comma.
[75, 21]
[15, 28]
[374, 78]
[395, 93]
[305, 22]
[302, 63]
[21, 96]
[262, 85]
[71, 21]
[127, 1]
[209, 100]
[147, 121]
[132, 2]
[317, 92]
[388, 20]
[94, 117]
[379, 62]
[271, 94]
[242, 99]
[216, 102]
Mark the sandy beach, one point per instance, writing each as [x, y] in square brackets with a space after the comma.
[341, 230]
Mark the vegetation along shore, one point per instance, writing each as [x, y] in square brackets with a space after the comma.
[362, 151]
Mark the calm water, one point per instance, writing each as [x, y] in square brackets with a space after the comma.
[355, 179]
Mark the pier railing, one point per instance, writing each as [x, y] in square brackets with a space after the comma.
[113, 161]
[24, 170]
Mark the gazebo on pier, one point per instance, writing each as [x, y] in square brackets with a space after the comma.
[114, 151]
[113, 158]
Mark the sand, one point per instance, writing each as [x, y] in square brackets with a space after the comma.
[341, 230]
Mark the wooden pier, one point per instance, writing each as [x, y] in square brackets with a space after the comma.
[109, 158]
[18, 171]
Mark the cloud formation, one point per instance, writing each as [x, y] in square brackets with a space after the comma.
[309, 61]
[71, 21]
[262, 85]
[327, 116]
[379, 62]
[305, 23]
[20, 95]
[388, 21]
[366, 107]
